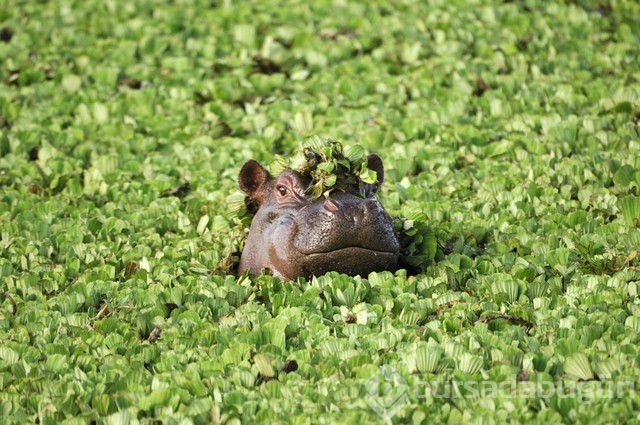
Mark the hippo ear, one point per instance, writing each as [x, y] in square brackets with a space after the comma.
[252, 180]
[374, 163]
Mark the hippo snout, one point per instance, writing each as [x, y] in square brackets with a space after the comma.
[344, 221]
[356, 212]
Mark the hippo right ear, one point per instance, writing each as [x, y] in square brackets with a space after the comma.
[252, 180]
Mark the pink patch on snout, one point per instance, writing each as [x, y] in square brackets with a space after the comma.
[330, 206]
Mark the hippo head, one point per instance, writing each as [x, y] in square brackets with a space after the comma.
[294, 235]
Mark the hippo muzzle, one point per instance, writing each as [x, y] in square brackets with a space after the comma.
[345, 233]
[294, 236]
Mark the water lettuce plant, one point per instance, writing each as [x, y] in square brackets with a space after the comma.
[509, 133]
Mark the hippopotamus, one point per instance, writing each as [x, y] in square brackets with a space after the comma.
[294, 236]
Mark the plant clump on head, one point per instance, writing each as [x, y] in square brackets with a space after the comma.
[329, 166]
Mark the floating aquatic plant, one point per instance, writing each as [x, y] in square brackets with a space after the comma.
[330, 166]
[577, 365]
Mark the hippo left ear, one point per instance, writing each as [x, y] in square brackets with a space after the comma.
[374, 163]
[252, 180]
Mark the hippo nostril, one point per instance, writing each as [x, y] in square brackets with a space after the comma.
[369, 206]
[330, 206]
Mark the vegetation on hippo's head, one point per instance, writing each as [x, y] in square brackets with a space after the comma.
[330, 166]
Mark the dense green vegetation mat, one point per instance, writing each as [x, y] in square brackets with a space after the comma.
[510, 135]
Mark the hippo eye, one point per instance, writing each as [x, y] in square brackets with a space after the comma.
[282, 189]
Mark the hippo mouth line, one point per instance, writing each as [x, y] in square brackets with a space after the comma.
[352, 260]
[350, 250]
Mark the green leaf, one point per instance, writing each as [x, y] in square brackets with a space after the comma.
[9, 356]
[509, 287]
[559, 259]
[470, 363]
[633, 322]
[100, 112]
[279, 164]
[327, 167]
[630, 209]
[158, 397]
[101, 403]
[624, 176]
[368, 176]
[427, 359]
[354, 153]
[302, 123]
[202, 223]
[619, 108]
[537, 289]
[71, 83]
[264, 365]
[330, 181]
[577, 365]
[608, 368]
[245, 34]
[56, 363]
